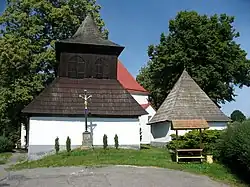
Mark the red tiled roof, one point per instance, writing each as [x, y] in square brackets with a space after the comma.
[128, 81]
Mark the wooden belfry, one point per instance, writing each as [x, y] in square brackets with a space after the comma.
[87, 61]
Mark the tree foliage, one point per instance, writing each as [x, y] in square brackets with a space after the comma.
[116, 141]
[237, 115]
[193, 140]
[203, 45]
[57, 145]
[105, 141]
[68, 144]
[29, 29]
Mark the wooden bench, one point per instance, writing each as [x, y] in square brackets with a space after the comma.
[198, 154]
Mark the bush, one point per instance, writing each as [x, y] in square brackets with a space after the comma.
[116, 141]
[57, 146]
[191, 140]
[68, 144]
[105, 141]
[234, 148]
[5, 144]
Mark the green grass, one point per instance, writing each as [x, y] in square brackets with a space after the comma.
[4, 157]
[145, 157]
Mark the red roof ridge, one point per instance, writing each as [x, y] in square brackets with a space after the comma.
[128, 81]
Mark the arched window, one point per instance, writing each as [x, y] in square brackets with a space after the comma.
[99, 68]
[76, 67]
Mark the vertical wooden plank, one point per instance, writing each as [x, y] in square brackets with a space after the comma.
[201, 139]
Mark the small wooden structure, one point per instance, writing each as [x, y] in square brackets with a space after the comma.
[198, 156]
[186, 107]
[186, 125]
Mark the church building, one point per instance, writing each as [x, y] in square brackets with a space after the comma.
[89, 62]
[141, 96]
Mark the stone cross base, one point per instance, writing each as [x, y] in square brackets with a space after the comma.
[86, 140]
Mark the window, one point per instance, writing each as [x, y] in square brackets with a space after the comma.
[99, 68]
[76, 67]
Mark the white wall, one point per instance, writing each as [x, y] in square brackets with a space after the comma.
[161, 132]
[23, 134]
[44, 130]
[140, 98]
[146, 129]
[217, 125]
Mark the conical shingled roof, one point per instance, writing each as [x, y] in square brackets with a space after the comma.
[187, 101]
[88, 33]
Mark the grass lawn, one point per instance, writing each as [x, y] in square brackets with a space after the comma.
[4, 157]
[145, 157]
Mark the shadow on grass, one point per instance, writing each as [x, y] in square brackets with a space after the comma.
[241, 172]
[145, 146]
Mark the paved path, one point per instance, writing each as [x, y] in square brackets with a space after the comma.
[116, 176]
[13, 159]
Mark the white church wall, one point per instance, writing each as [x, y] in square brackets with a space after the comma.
[146, 129]
[140, 98]
[44, 130]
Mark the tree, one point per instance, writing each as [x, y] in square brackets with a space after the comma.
[68, 144]
[29, 29]
[206, 48]
[57, 145]
[116, 141]
[105, 141]
[237, 115]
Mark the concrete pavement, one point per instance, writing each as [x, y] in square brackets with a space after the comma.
[116, 176]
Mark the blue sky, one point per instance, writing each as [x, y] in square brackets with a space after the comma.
[137, 24]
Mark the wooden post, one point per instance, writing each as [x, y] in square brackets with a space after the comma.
[201, 139]
[176, 152]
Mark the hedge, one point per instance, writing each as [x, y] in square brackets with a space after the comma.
[5, 144]
[234, 148]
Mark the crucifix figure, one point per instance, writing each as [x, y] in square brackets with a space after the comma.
[85, 98]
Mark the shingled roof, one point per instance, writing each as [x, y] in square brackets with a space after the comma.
[88, 33]
[109, 98]
[187, 101]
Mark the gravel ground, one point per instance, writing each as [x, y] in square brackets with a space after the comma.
[119, 176]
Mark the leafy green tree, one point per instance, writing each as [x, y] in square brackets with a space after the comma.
[29, 29]
[237, 115]
[203, 45]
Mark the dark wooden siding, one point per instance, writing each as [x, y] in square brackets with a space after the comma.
[88, 66]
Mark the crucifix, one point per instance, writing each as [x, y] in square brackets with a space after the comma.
[85, 98]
